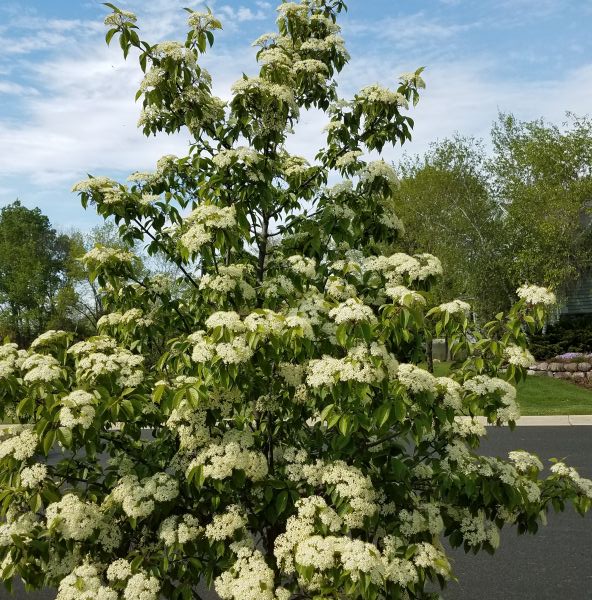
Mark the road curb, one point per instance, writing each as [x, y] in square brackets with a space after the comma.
[529, 421]
[549, 421]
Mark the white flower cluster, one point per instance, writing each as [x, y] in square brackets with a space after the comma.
[412, 78]
[49, 338]
[352, 310]
[21, 526]
[241, 155]
[171, 49]
[404, 296]
[179, 530]
[534, 294]
[95, 185]
[119, 570]
[73, 518]
[202, 21]
[330, 43]
[295, 166]
[311, 510]
[219, 460]
[202, 221]
[415, 379]
[190, 425]
[455, 307]
[482, 385]
[77, 409]
[225, 525]
[252, 86]
[298, 325]
[380, 94]
[11, 358]
[341, 211]
[133, 315]
[467, 426]
[229, 320]
[41, 368]
[312, 66]
[450, 391]
[100, 255]
[279, 286]
[121, 17]
[292, 374]
[33, 476]
[138, 497]
[229, 279]
[391, 221]
[362, 364]
[521, 357]
[424, 517]
[348, 159]
[525, 461]
[394, 267]
[476, 529]
[347, 481]
[337, 288]
[583, 485]
[301, 265]
[142, 587]
[380, 169]
[84, 583]
[274, 56]
[249, 578]
[234, 352]
[154, 77]
[345, 187]
[301, 545]
[20, 446]
[101, 356]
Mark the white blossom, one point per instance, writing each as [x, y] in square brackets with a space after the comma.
[518, 356]
[534, 294]
[33, 476]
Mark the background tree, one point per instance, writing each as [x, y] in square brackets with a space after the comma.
[34, 272]
[444, 200]
[541, 176]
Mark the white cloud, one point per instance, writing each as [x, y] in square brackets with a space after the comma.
[12, 88]
[241, 14]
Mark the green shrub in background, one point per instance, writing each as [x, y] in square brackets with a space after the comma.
[569, 334]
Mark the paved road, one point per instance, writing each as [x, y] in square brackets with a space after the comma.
[556, 564]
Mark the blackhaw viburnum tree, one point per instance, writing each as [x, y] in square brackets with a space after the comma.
[262, 424]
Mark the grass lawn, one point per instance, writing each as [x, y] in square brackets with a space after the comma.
[545, 396]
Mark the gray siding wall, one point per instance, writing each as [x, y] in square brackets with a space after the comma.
[579, 297]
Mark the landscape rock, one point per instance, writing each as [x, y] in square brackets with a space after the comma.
[555, 367]
[571, 367]
[562, 375]
[578, 376]
[584, 366]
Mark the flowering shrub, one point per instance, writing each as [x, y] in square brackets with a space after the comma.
[257, 425]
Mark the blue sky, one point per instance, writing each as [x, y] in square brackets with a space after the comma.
[66, 100]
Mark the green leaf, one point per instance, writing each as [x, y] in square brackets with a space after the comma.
[400, 409]
[345, 425]
[48, 441]
[326, 412]
[382, 414]
[110, 35]
[281, 501]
